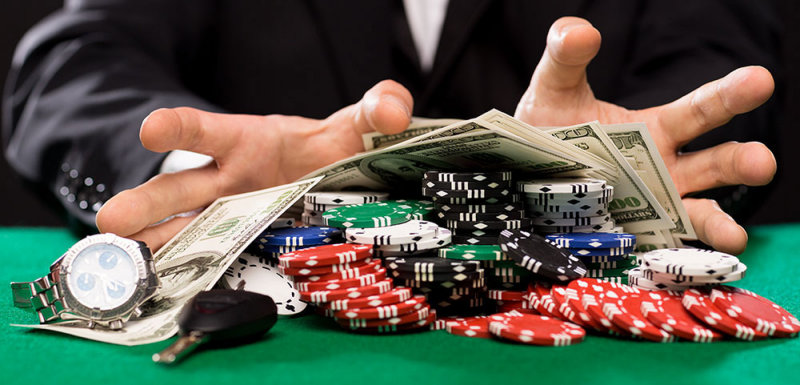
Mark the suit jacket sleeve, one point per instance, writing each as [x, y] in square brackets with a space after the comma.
[81, 83]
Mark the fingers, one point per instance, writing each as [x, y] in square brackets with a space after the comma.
[560, 76]
[157, 235]
[162, 196]
[714, 227]
[191, 129]
[730, 163]
[385, 108]
[715, 103]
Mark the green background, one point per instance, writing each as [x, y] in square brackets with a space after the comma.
[311, 349]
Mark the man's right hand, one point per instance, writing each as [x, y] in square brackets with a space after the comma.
[250, 153]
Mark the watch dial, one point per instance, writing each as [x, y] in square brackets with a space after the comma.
[102, 276]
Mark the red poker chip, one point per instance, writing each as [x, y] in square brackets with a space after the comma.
[364, 280]
[545, 305]
[323, 270]
[626, 313]
[698, 303]
[595, 292]
[383, 312]
[558, 295]
[396, 295]
[537, 330]
[335, 254]
[417, 315]
[356, 272]
[318, 297]
[476, 327]
[664, 309]
[571, 299]
[755, 311]
[504, 309]
[399, 328]
[507, 295]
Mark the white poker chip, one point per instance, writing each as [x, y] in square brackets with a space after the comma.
[442, 238]
[312, 220]
[562, 185]
[410, 232]
[260, 277]
[282, 223]
[695, 280]
[345, 197]
[689, 262]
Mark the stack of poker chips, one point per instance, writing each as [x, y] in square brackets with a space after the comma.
[344, 283]
[502, 273]
[606, 255]
[475, 206]
[314, 204]
[681, 269]
[568, 205]
[451, 287]
[273, 242]
[411, 238]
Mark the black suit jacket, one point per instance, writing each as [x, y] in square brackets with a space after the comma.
[84, 78]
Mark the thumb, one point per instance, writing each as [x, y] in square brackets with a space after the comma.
[385, 108]
[560, 76]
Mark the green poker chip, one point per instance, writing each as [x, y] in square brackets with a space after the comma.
[368, 215]
[603, 273]
[420, 210]
[473, 253]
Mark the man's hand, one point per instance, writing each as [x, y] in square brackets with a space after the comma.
[250, 153]
[559, 94]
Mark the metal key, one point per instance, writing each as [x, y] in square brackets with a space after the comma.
[219, 317]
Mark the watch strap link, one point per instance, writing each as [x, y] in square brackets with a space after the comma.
[41, 296]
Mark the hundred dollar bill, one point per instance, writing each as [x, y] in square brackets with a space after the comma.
[418, 126]
[634, 207]
[475, 147]
[194, 260]
[633, 140]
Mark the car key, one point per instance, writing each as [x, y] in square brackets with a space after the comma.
[220, 317]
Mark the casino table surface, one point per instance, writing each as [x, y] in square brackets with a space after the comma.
[311, 349]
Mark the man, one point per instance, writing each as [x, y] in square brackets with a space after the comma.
[84, 79]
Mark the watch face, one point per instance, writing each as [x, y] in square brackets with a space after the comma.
[102, 276]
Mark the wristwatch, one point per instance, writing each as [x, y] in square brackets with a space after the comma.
[102, 279]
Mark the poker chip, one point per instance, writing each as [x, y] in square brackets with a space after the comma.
[394, 254]
[481, 208]
[467, 185]
[442, 176]
[595, 259]
[616, 251]
[473, 240]
[691, 280]
[571, 298]
[542, 300]
[509, 271]
[318, 208]
[626, 313]
[430, 265]
[312, 220]
[755, 311]
[580, 221]
[480, 217]
[349, 293]
[538, 255]
[476, 233]
[574, 229]
[637, 278]
[419, 209]
[399, 328]
[559, 295]
[562, 185]
[441, 238]
[511, 198]
[537, 330]
[336, 254]
[322, 270]
[378, 214]
[507, 295]
[423, 276]
[567, 214]
[355, 272]
[408, 232]
[699, 304]
[593, 240]
[300, 236]
[544, 199]
[385, 311]
[396, 295]
[594, 294]
[364, 280]
[489, 225]
[569, 205]
[601, 273]
[414, 316]
[475, 327]
[281, 223]
[499, 193]
[664, 309]
[260, 277]
[427, 287]
[345, 197]
[689, 261]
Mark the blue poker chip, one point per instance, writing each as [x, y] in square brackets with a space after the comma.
[300, 236]
[593, 240]
[613, 251]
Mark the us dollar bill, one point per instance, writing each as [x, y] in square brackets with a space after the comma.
[634, 142]
[634, 206]
[194, 260]
[418, 126]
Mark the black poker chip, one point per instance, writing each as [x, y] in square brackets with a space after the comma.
[473, 217]
[472, 185]
[444, 176]
[472, 240]
[430, 265]
[499, 193]
[439, 276]
[427, 287]
[539, 255]
[490, 225]
[476, 233]
[479, 207]
[476, 201]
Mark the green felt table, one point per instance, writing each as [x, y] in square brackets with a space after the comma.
[312, 350]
